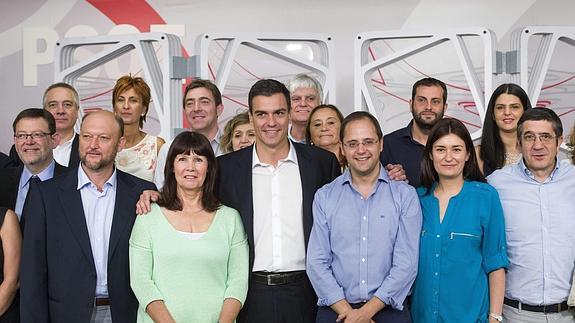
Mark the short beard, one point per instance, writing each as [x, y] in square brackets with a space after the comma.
[426, 126]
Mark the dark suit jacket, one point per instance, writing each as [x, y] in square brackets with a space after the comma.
[58, 275]
[317, 167]
[5, 161]
[10, 180]
[74, 154]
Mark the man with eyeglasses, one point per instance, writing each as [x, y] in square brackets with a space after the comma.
[34, 138]
[63, 102]
[363, 249]
[405, 146]
[538, 199]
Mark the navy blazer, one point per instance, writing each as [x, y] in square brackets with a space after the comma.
[58, 275]
[11, 180]
[317, 167]
[74, 154]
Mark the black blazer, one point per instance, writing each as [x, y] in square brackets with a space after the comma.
[58, 275]
[74, 154]
[10, 180]
[5, 161]
[317, 167]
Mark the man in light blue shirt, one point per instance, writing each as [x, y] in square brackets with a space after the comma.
[538, 199]
[34, 139]
[363, 249]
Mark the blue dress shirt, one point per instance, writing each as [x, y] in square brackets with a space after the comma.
[400, 148]
[99, 213]
[360, 248]
[456, 255]
[24, 185]
[540, 229]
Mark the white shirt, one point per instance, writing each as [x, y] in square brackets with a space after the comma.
[62, 152]
[163, 154]
[278, 216]
[99, 213]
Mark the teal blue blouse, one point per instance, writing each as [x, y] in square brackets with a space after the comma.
[456, 255]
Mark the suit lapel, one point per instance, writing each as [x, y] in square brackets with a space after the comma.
[307, 186]
[71, 201]
[124, 212]
[245, 191]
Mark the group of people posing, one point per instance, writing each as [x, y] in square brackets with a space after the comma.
[290, 213]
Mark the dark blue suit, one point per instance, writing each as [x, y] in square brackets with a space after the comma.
[58, 276]
[317, 167]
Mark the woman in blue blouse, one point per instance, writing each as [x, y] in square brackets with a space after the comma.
[462, 252]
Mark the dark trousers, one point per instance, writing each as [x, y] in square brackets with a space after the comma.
[289, 303]
[388, 315]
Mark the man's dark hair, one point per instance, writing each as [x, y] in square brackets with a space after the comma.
[540, 114]
[268, 87]
[35, 113]
[207, 84]
[359, 115]
[429, 81]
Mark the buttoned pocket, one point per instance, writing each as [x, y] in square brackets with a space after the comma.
[464, 247]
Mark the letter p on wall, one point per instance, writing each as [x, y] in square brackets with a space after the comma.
[37, 48]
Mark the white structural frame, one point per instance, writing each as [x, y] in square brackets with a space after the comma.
[364, 68]
[157, 68]
[551, 36]
[258, 41]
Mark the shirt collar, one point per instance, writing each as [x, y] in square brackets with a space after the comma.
[218, 137]
[382, 177]
[527, 172]
[44, 175]
[83, 179]
[291, 156]
[292, 138]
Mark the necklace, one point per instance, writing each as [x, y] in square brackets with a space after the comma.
[512, 158]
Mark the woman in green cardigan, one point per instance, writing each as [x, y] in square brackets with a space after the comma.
[189, 255]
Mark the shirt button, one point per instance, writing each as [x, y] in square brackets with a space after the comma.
[364, 218]
[436, 274]
[438, 236]
[363, 238]
[363, 281]
[363, 259]
[436, 255]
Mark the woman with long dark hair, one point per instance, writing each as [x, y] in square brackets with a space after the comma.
[462, 255]
[499, 145]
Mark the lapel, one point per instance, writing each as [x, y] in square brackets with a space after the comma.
[71, 201]
[124, 211]
[306, 173]
[59, 169]
[74, 154]
[244, 190]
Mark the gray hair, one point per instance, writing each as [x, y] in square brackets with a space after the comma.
[305, 81]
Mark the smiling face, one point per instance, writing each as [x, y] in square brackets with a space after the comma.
[324, 128]
[449, 156]
[201, 111]
[243, 136]
[129, 107]
[427, 106]
[361, 148]
[190, 171]
[539, 155]
[303, 100]
[507, 111]
[100, 140]
[269, 115]
[35, 153]
[61, 103]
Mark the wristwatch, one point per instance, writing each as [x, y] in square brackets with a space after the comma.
[498, 318]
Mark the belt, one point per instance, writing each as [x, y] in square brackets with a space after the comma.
[273, 279]
[102, 301]
[552, 308]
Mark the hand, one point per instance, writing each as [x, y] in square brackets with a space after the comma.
[396, 172]
[144, 203]
[354, 316]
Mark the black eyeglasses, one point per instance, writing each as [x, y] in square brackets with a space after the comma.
[34, 135]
